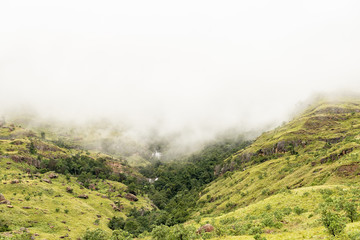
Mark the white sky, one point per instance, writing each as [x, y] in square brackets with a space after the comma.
[206, 65]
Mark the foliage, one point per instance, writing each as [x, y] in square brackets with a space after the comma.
[97, 234]
[177, 189]
[177, 232]
[116, 223]
[121, 235]
[32, 148]
[333, 221]
[258, 237]
[4, 226]
[351, 211]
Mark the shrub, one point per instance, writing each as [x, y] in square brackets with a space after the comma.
[4, 227]
[116, 223]
[298, 210]
[258, 237]
[32, 148]
[97, 234]
[160, 232]
[333, 222]
[351, 213]
[121, 235]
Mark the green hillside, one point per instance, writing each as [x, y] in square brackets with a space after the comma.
[48, 205]
[308, 161]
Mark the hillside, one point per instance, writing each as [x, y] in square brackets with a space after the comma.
[298, 181]
[312, 160]
[85, 193]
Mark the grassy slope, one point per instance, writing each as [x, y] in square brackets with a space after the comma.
[268, 178]
[44, 199]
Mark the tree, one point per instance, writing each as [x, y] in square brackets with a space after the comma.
[32, 148]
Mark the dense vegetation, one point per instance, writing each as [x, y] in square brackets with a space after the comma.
[176, 190]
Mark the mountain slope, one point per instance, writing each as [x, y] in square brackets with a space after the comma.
[50, 205]
[319, 147]
[317, 150]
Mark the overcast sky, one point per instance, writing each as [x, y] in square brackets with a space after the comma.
[205, 65]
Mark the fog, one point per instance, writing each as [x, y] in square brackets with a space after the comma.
[186, 69]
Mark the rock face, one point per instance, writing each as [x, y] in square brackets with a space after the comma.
[205, 228]
[131, 197]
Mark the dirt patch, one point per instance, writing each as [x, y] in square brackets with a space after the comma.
[348, 170]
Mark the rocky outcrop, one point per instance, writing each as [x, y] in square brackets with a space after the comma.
[53, 175]
[279, 148]
[131, 197]
[3, 200]
[47, 180]
[29, 160]
[336, 156]
[332, 140]
[83, 196]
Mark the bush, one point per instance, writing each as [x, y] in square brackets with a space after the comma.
[160, 232]
[177, 232]
[3, 226]
[116, 223]
[351, 213]
[121, 235]
[32, 148]
[258, 237]
[334, 223]
[298, 210]
[97, 234]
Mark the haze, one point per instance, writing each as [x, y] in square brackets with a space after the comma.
[197, 67]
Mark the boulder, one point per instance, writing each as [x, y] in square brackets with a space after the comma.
[69, 190]
[47, 180]
[83, 196]
[2, 198]
[53, 175]
[131, 197]
[205, 228]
